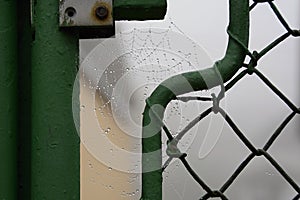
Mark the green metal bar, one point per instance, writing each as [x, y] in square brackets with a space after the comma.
[139, 9]
[55, 143]
[24, 92]
[184, 83]
[8, 99]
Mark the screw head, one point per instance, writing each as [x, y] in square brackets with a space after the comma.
[70, 12]
[102, 12]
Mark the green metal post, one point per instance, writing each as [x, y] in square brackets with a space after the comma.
[139, 9]
[55, 143]
[48, 142]
[8, 99]
[24, 96]
[184, 83]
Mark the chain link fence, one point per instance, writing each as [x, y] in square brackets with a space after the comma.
[250, 68]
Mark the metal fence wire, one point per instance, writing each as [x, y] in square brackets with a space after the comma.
[250, 68]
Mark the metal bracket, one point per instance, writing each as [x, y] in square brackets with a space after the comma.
[92, 18]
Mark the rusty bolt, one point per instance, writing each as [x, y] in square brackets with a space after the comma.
[102, 12]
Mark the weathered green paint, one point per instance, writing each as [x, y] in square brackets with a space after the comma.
[185, 83]
[8, 99]
[55, 143]
[24, 96]
[139, 9]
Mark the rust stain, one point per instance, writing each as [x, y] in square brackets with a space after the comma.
[98, 21]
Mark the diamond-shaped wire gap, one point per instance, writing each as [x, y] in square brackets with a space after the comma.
[286, 66]
[276, 91]
[177, 178]
[287, 9]
[279, 131]
[260, 180]
[222, 160]
[285, 149]
[283, 173]
[280, 17]
[255, 109]
[261, 35]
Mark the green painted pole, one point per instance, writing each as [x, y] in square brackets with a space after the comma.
[55, 143]
[24, 100]
[8, 99]
[180, 84]
[139, 9]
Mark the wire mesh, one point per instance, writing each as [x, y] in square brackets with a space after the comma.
[250, 69]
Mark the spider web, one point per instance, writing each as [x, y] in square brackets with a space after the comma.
[121, 73]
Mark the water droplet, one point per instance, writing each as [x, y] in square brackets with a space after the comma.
[269, 173]
[123, 193]
[109, 168]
